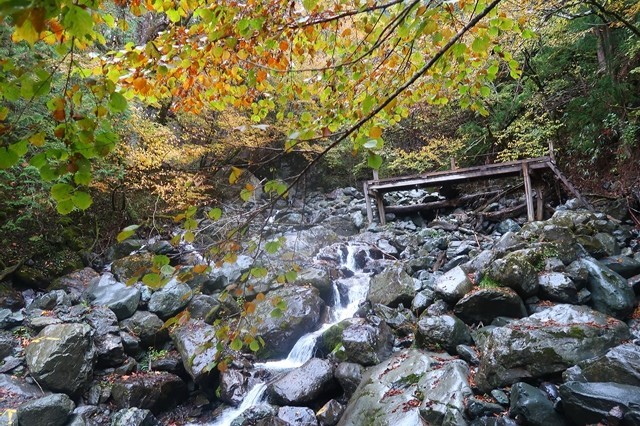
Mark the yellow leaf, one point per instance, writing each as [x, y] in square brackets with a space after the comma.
[4, 111]
[375, 132]
[235, 174]
[37, 139]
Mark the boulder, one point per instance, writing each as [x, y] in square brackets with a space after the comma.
[50, 410]
[411, 388]
[106, 337]
[147, 327]
[107, 291]
[610, 293]
[123, 249]
[349, 375]
[453, 285]
[280, 332]
[75, 283]
[233, 386]
[330, 413]
[515, 271]
[620, 364]
[170, 299]
[298, 416]
[392, 287]
[531, 406]
[303, 384]
[445, 332]
[483, 305]
[367, 342]
[132, 267]
[156, 391]
[196, 342]
[61, 357]
[590, 403]
[624, 265]
[134, 417]
[558, 287]
[544, 343]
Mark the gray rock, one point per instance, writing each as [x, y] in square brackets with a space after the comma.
[51, 300]
[531, 405]
[19, 387]
[330, 413]
[61, 357]
[8, 343]
[508, 225]
[476, 408]
[227, 273]
[589, 403]
[303, 384]
[485, 304]
[196, 343]
[610, 293]
[297, 416]
[156, 391]
[349, 375]
[233, 386]
[204, 307]
[445, 332]
[429, 388]
[106, 291]
[358, 219]
[624, 265]
[123, 249]
[50, 410]
[134, 417]
[515, 271]
[147, 327]
[302, 313]
[75, 283]
[544, 343]
[170, 299]
[609, 243]
[106, 337]
[453, 285]
[317, 277]
[558, 287]
[620, 364]
[367, 342]
[132, 267]
[392, 287]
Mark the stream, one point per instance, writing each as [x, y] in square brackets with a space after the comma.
[346, 304]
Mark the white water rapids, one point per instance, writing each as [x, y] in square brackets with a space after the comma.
[356, 287]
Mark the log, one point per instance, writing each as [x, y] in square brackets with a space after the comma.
[505, 213]
[456, 202]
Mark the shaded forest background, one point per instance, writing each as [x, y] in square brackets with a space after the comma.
[577, 86]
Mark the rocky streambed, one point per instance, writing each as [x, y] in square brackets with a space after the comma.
[460, 323]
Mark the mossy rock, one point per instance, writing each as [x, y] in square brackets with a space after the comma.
[43, 270]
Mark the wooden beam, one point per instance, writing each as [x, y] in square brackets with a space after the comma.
[380, 204]
[455, 202]
[528, 195]
[539, 201]
[367, 201]
[502, 214]
[569, 186]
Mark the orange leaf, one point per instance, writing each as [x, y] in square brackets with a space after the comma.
[284, 45]
[259, 297]
[375, 132]
[198, 269]
[261, 76]
[250, 307]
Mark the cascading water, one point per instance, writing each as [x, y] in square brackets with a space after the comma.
[356, 286]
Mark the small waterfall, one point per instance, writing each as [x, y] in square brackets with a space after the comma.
[356, 287]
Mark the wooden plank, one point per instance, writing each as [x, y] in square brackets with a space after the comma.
[380, 204]
[539, 201]
[367, 201]
[527, 191]
[569, 186]
[503, 214]
[440, 204]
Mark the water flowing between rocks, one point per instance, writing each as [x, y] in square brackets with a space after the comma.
[345, 306]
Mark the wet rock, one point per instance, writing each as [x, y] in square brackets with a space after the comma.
[106, 291]
[547, 342]
[204, 307]
[8, 343]
[610, 293]
[317, 277]
[61, 357]
[302, 313]
[306, 243]
[619, 365]
[367, 342]
[134, 417]
[401, 320]
[411, 388]
[485, 304]
[51, 300]
[233, 387]
[303, 384]
[515, 271]
[123, 249]
[298, 416]
[508, 225]
[392, 287]
[196, 343]
[156, 391]
[437, 333]
[592, 246]
[50, 410]
[558, 287]
[227, 273]
[623, 265]
[531, 406]
[589, 403]
[10, 298]
[147, 327]
[170, 299]
[39, 272]
[330, 413]
[349, 375]
[75, 283]
[468, 354]
[106, 336]
[132, 266]
[453, 285]
[479, 408]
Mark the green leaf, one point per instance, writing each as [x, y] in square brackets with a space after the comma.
[61, 192]
[81, 200]
[7, 158]
[480, 44]
[78, 21]
[246, 194]
[272, 247]
[276, 313]
[189, 236]
[254, 346]
[152, 280]
[214, 214]
[291, 276]
[309, 5]
[117, 102]
[167, 270]
[485, 91]
[65, 206]
[236, 344]
[127, 232]
[374, 161]
[20, 148]
[259, 272]
[160, 260]
[82, 178]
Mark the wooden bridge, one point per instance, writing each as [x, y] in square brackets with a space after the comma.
[376, 188]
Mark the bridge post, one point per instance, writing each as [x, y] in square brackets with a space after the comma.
[527, 191]
[367, 201]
